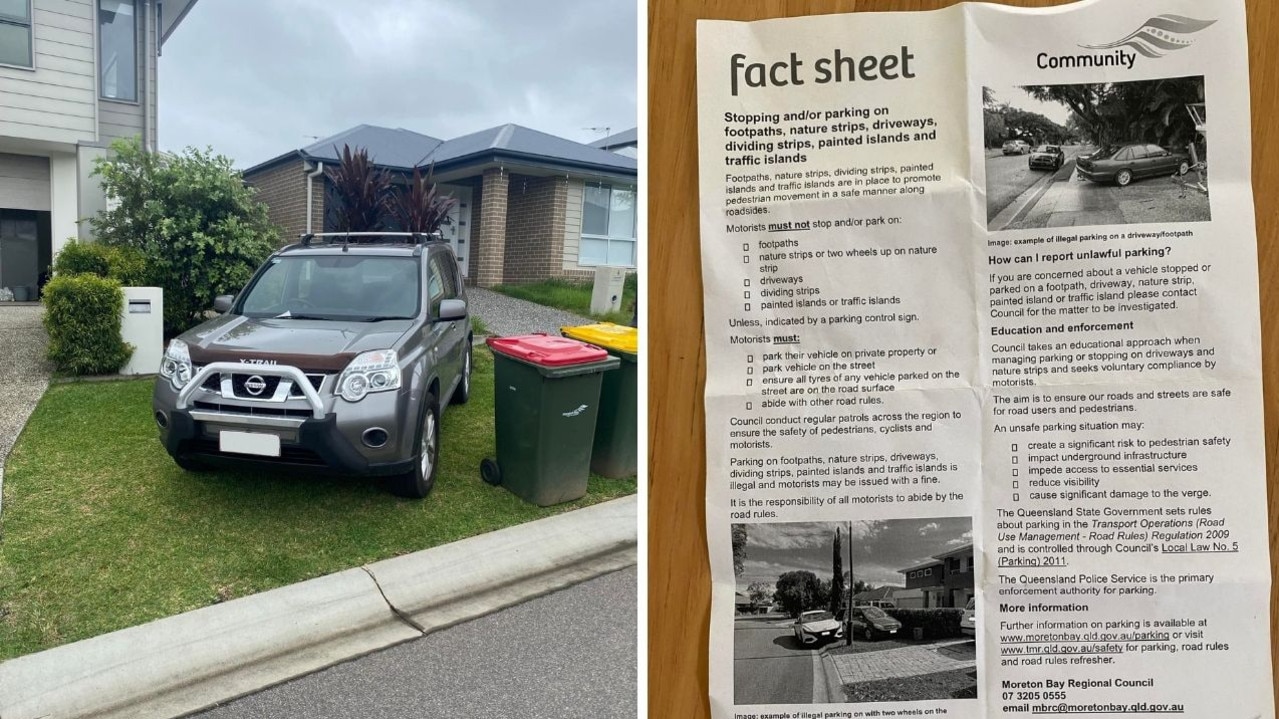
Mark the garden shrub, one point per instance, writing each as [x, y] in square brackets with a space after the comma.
[78, 258]
[938, 623]
[82, 317]
[125, 264]
[193, 220]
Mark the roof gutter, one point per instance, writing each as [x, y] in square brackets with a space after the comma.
[310, 176]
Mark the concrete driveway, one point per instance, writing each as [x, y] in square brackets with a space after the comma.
[24, 371]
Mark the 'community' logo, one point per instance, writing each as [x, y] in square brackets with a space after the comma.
[1159, 35]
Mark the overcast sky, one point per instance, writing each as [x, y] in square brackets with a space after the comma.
[1017, 97]
[257, 78]
[879, 549]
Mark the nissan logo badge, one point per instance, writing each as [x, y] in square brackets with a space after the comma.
[254, 385]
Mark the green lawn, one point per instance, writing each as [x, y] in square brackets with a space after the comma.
[573, 297]
[102, 531]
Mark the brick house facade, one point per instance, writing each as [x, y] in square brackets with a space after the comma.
[946, 580]
[532, 206]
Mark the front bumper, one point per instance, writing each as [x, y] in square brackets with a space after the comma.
[826, 636]
[317, 432]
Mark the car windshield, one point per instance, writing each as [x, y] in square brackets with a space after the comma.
[1046, 148]
[814, 617]
[874, 613]
[971, 605]
[345, 287]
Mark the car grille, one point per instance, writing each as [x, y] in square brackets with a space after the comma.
[214, 384]
[255, 410]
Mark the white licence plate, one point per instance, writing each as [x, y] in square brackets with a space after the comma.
[263, 445]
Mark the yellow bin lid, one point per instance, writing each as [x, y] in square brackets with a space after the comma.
[618, 338]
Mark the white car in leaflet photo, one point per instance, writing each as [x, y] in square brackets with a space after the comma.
[817, 626]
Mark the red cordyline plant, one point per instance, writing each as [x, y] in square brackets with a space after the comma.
[421, 207]
[363, 191]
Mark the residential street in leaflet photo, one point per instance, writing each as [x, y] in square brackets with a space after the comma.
[896, 623]
[1095, 154]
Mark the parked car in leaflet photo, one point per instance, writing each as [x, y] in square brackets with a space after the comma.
[872, 623]
[968, 622]
[1048, 157]
[337, 357]
[1016, 147]
[1121, 164]
[817, 626]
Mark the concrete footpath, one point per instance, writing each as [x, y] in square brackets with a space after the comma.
[24, 372]
[185, 663]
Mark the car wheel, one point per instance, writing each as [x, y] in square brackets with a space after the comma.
[869, 634]
[417, 482]
[1123, 178]
[462, 394]
[190, 464]
[1183, 168]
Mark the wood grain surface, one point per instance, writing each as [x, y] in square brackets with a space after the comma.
[679, 575]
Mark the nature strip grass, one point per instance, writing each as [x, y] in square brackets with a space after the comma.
[102, 531]
[572, 297]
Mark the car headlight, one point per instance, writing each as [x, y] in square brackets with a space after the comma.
[376, 371]
[176, 365]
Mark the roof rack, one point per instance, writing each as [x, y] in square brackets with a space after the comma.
[367, 238]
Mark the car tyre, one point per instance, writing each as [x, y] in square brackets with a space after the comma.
[1183, 168]
[869, 634]
[418, 482]
[462, 394]
[490, 472]
[1123, 178]
[190, 464]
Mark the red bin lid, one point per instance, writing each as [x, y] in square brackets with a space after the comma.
[546, 350]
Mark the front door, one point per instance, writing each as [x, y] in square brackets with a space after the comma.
[458, 230]
[19, 251]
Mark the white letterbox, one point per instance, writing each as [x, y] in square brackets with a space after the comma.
[606, 296]
[142, 325]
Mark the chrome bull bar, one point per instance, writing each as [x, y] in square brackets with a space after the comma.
[297, 376]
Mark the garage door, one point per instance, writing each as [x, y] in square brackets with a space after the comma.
[24, 182]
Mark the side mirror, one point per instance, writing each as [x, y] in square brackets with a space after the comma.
[222, 303]
[452, 310]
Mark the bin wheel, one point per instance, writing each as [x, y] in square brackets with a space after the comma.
[490, 472]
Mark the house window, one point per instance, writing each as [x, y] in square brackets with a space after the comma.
[15, 33]
[928, 572]
[118, 48]
[608, 226]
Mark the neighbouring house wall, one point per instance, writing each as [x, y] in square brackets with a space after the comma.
[488, 252]
[56, 101]
[64, 200]
[124, 119]
[282, 188]
[534, 228]
[572, 226]
[90, 198]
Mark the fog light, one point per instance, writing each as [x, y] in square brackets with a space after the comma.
[161, 420]
[375, 437]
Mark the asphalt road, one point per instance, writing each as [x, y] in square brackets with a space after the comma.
[769, 666]
[1007, 176]
[568, 655]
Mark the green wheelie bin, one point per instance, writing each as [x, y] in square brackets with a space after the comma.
[616, 450]
[547, 392]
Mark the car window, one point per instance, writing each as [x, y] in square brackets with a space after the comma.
[435, 286]
[1125, 154]
[972, 604]
[335, 287]
[1154, 151]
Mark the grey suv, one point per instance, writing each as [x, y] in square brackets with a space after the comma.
[337, 357]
